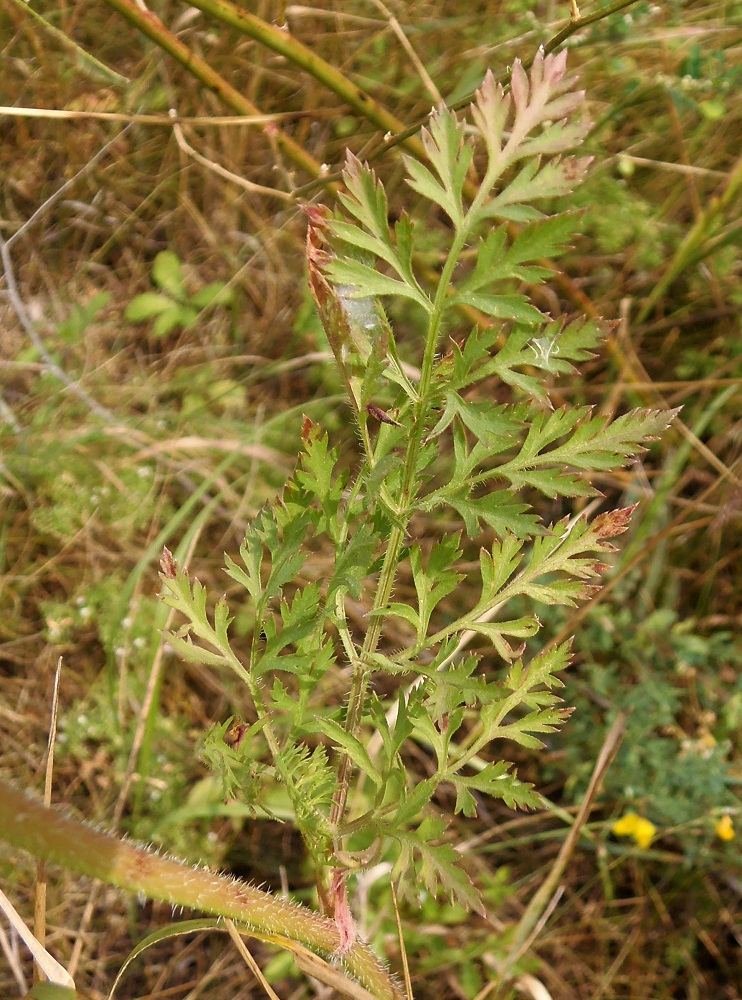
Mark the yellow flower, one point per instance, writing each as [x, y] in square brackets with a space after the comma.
[725, 828]
[631, 825]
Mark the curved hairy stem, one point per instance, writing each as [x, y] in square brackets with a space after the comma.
[45, 833]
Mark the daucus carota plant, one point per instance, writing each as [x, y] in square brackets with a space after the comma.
[433, 441]
[464, 430]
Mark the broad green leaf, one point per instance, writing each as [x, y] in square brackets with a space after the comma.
[215, 294]
[146, 306]
[174, 315]
[167, 274]
[50, 991]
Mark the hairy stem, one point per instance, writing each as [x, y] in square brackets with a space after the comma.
[361, 672]
[45, 833]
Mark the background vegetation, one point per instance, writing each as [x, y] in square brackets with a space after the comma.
[157, 351]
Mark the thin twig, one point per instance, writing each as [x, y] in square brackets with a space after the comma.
[532, 919]
[407, 46]
[53, 198]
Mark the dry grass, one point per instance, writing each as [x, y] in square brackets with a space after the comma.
[100, 467]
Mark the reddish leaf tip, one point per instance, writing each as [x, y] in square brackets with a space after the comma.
[168, 565]
[613, 522]
[307, 426]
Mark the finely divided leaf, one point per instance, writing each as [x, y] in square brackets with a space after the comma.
[450, 157]
[423, 858]
[316, 474]
[592, 444]
[520, 628]
[500, 510]
[496, 426]
[353, 562]
[515, 307]
[436, 580]
[553, 349]
[497, 781]
[367, 282]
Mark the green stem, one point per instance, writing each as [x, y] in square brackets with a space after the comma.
[280, 40]
[45, 833]
[577, 23]
[361, 671]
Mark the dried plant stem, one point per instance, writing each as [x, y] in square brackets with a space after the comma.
[691, 250]
[45, 833]
[151, 26]
[538, 908]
